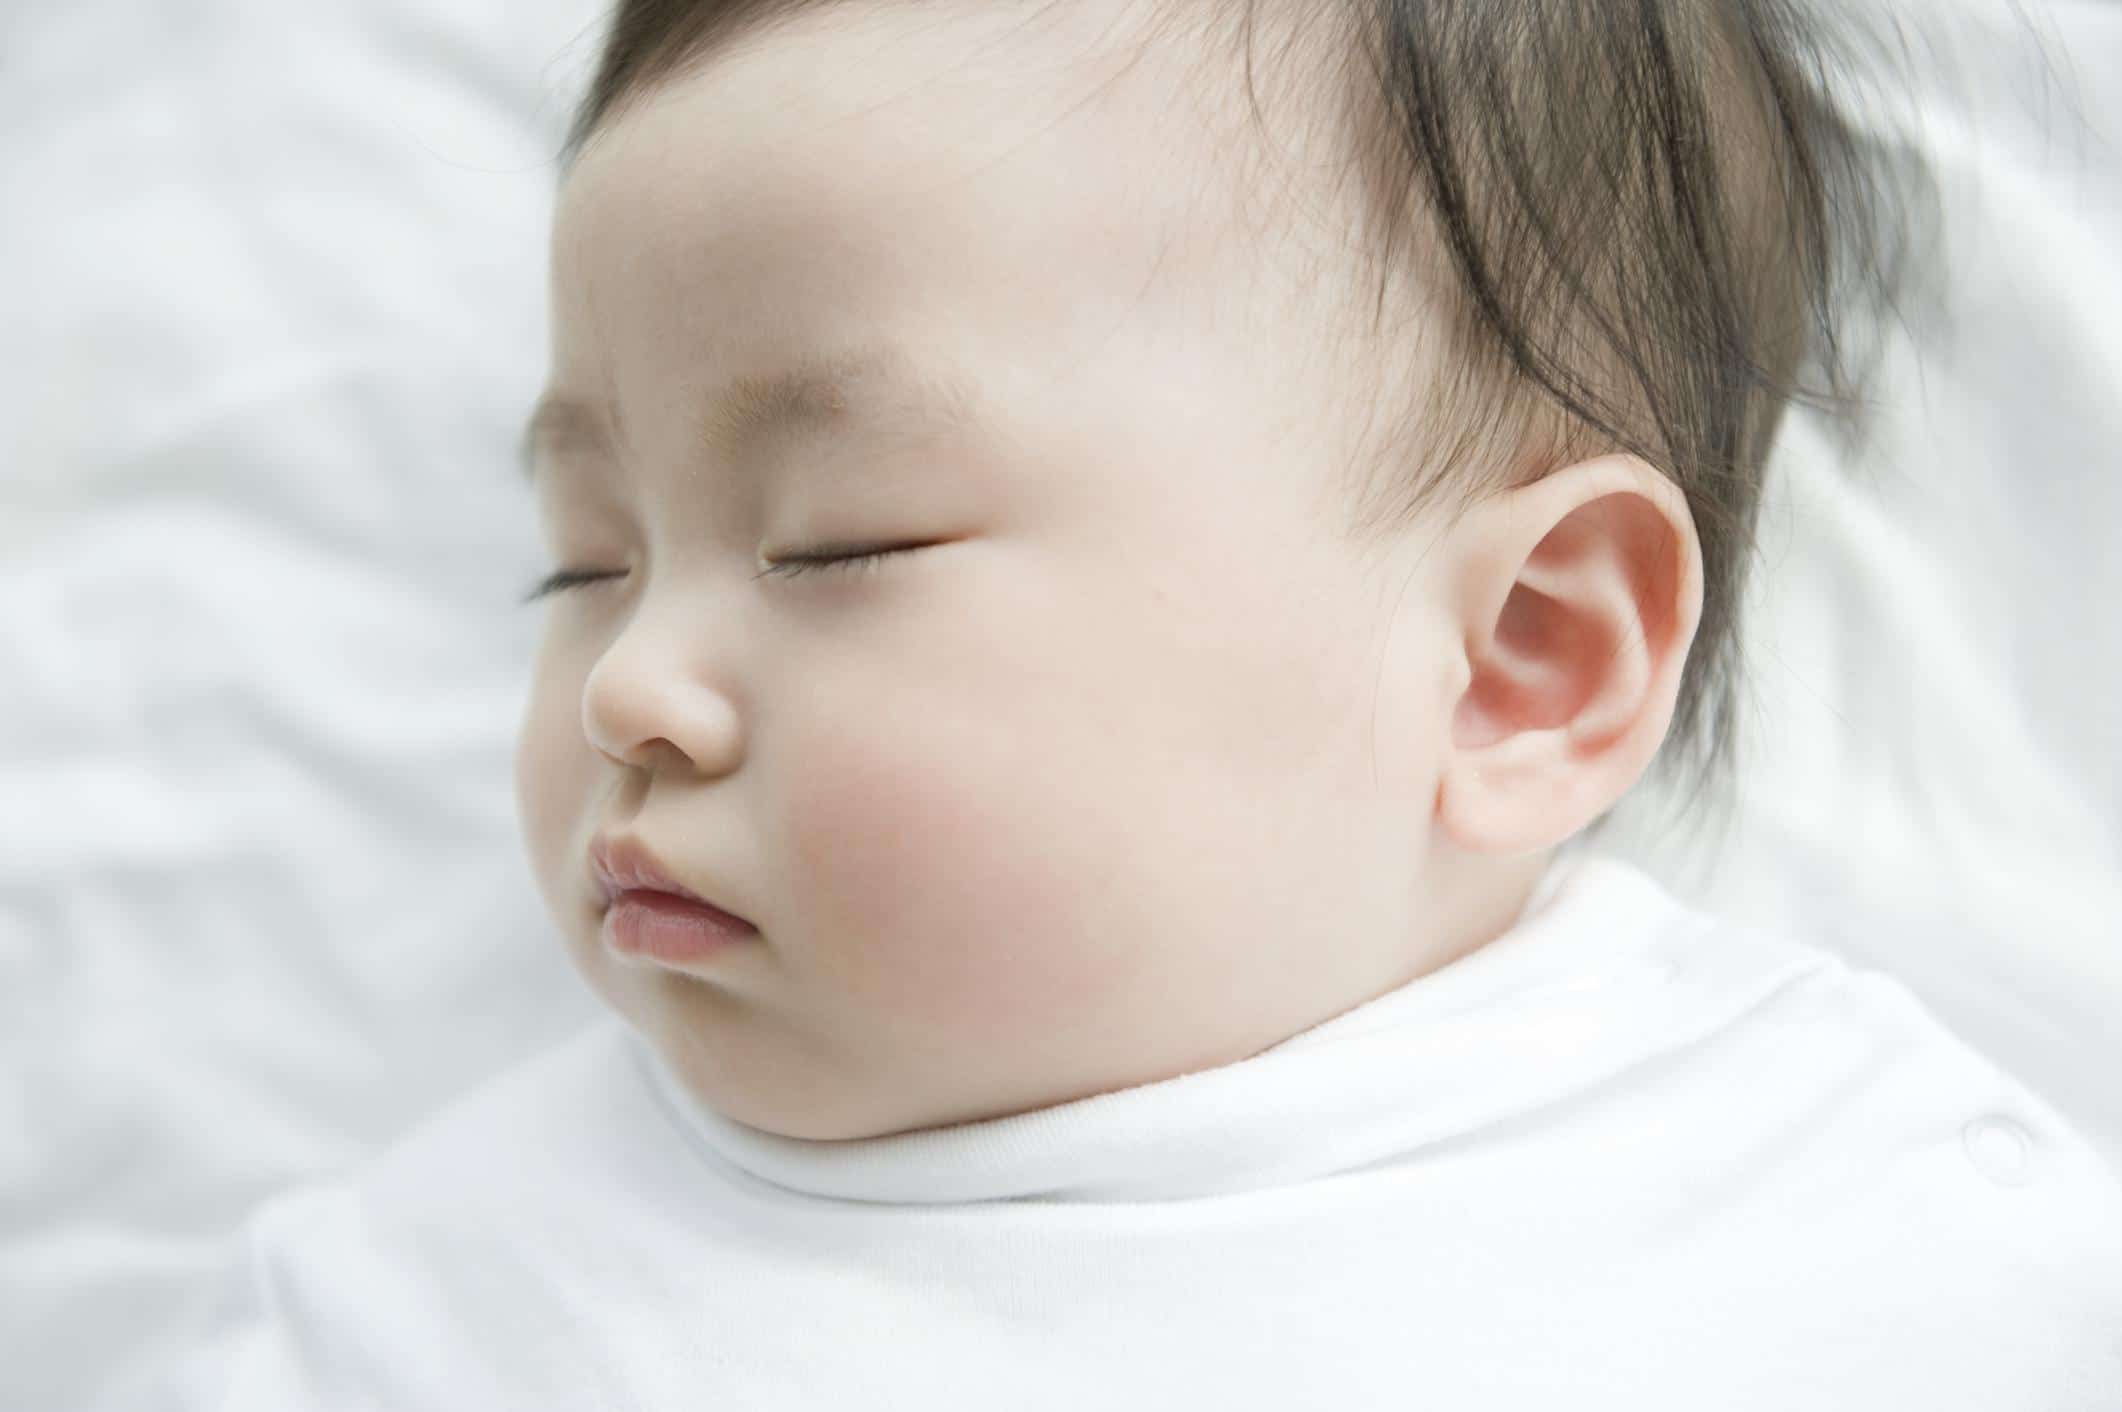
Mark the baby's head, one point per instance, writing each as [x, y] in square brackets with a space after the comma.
[1115, 532]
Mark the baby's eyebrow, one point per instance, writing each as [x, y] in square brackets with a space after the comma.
[816, 394]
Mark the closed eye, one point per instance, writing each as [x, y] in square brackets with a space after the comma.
[817, 561]
[861, 561]
[562, 581]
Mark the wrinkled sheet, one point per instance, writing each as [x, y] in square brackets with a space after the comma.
[272, 285]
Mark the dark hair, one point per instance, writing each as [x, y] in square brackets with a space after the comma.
[1657, 220]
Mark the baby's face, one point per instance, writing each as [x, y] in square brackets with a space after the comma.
[1130, 771]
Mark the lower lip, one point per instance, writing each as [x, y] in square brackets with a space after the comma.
[664, 927]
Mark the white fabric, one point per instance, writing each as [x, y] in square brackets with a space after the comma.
[270, 316]
[1622, 1158]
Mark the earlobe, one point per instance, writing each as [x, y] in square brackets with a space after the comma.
[1580, 594]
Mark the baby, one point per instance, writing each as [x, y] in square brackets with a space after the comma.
[1103, 552]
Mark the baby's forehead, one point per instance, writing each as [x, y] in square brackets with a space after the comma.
[1138, 110]
[883, 145]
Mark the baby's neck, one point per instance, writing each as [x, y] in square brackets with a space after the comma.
[1475, 898]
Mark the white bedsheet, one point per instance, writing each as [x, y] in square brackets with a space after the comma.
[272, 312]
[270, 315]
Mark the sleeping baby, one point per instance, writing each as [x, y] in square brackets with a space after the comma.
[1109, 561]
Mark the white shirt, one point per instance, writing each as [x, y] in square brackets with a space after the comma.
[1625, 1156]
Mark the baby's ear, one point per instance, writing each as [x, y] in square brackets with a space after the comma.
[1578, 597]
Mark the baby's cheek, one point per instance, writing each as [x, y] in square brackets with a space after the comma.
[953, 890]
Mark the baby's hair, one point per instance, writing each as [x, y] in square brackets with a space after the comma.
[1653, 225]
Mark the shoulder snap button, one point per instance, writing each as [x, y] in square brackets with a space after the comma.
[2001, 1149]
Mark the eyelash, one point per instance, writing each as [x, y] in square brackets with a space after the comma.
[861, 563]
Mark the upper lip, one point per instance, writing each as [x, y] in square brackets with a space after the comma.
[627, 865]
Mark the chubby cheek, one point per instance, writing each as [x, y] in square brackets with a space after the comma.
[946, 877]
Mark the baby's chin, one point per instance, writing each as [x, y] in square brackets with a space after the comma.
[726, 1054]
[735, 1061]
